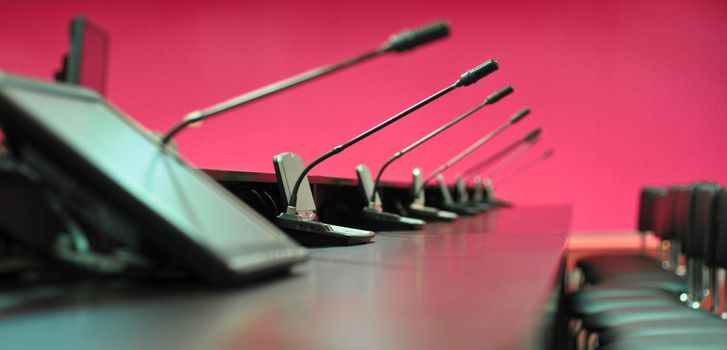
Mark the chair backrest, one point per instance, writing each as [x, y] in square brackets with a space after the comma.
[710, 234]
[699, 239]
[664, 221]
[648, 207]
[662, 216]
[680, 212]
[720, 229]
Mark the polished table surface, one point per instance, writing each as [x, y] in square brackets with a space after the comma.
[480, 282]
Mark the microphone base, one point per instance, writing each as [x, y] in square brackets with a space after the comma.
[461, 209]
[493, 204]
[316, 233]
[431, 214]
[500, 204]
[481, 206]
[383, 221]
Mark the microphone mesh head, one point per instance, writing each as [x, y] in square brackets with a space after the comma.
[473, 75]
[519, 115]
[500, 94]
[533, 135]
[410, 39]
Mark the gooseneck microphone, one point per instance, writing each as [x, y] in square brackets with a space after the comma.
[514, 119]
[484, 191]
[530, 138]
[401, 42]
[483, 195]
[467, 78]
[491, 99]
[506, 161]
[527, 165]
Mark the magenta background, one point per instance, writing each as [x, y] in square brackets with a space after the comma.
[628, 92]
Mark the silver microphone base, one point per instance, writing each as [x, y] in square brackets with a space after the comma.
[481, 206]
[493, 204]
[430, 214]
[501, 204]
[316, 233]
[461, 209]
[383, 221]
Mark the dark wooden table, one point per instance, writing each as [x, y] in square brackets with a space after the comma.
[477, 283]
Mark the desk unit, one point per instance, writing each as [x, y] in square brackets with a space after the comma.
[338, 200]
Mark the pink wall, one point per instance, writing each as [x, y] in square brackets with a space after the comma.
[628, 92]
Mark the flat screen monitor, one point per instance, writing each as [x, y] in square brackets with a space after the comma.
[178, 208]
[86, 63]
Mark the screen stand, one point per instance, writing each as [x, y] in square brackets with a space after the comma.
[43, 217]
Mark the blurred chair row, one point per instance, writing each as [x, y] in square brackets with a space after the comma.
[673, 301]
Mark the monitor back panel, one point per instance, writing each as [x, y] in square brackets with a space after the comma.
[180, 208]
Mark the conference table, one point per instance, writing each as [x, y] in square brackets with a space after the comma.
[483, 282]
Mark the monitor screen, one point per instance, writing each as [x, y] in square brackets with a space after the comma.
[71, 123]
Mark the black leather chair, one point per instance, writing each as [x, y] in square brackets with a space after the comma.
[595, 268]
[669, 327]
[641, 281]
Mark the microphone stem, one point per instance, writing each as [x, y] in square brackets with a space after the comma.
[463, 154]
[422, 140]
[265, 91]
[294, 194]
[503, 164]
[493, 158]
[525, 166]
[381, 171]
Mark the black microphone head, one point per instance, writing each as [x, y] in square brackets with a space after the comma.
[498, 95]
[412, 38]
[533, 135]
[473, 75]
[519, 115]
